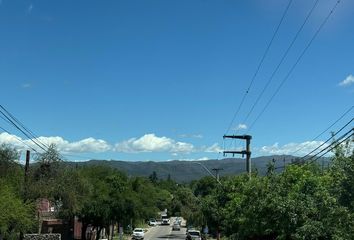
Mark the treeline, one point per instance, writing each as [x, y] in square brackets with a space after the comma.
[304, 201]
[96, 195]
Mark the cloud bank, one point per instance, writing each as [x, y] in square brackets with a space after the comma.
[150, 143]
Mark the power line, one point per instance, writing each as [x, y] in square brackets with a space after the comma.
[296, 63]
[334, 146]
[259, 65]
[327, 139]
[329, 148]
[22, 131]
[325, 129]
[24, 127]
[12, 120]
[30, 134]
[19, 139]
[281, 60]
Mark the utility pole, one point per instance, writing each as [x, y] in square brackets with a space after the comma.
[28, 154]
[211, 174]
[25, 193]
[218, 206]
[246, 152]
[217, 173]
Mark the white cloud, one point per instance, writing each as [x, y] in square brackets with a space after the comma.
[152, 143]
[12, 140]
[290, 148]
[215, 148]
[348, 81]
[190, 136]
[241, 126]
[85, 145]
[88, 145]
[182, 147]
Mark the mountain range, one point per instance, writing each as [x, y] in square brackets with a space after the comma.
[186, 171]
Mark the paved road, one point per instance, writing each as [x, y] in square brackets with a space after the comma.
[165, 232]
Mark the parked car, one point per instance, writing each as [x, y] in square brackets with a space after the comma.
[152, 222]
[193, 235]
[176, 226]
[138, 233]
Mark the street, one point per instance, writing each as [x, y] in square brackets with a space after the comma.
[165, 232]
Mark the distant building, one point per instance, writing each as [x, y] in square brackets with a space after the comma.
[49, 223]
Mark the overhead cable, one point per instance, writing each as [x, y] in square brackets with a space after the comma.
[296, 63]
[22, 131]
[24, 127]
[336, 143]
[18, 139]
[259, 66]
[281, 60]
[328, 139]
[324, 131]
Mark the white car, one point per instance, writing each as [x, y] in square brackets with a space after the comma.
[193, 234]
[176, 226]
[138, 233]
[152, 222]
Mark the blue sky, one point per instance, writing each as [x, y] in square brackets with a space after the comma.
[161, 80]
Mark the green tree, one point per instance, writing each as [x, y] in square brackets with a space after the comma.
[187, 205]
[16, 216]
[296, 204]
[10, 169]
[153, 177]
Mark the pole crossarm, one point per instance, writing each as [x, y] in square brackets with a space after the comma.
[244, 152]
[247, 137]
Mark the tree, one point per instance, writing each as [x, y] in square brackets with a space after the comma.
[296, 204]
[10, 169]
[48, 164]
[205, 186]
[16, 216]
[187, 205]
[44, 174]
[342, 174]
[153, 177]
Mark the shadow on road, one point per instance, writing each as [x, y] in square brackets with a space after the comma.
[172, 236]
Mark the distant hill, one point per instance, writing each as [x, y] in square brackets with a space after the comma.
[186, 171]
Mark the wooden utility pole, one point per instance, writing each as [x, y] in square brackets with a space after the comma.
[25, 190]
[246, 152]
[28, 154]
